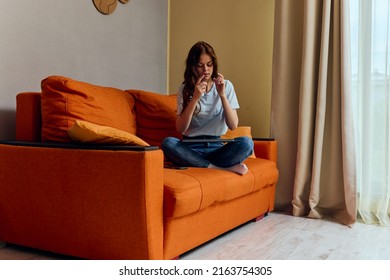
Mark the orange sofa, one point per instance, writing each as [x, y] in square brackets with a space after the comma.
[102, 198]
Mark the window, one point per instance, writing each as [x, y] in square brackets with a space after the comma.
[370, 89]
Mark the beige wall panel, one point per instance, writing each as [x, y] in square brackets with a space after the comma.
[241, 33]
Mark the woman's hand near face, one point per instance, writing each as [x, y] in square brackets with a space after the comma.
[220, 84]
[231, 117]
[184, 119]
[200, 87]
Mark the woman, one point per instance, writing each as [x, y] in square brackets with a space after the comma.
[206, 108]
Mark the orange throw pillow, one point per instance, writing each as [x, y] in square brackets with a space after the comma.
[156, 116]
[65, 100]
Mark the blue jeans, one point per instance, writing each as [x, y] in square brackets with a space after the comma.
[202, 154]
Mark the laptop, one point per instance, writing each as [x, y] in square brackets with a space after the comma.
[206, 140]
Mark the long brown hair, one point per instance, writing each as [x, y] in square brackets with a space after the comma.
[190, 73]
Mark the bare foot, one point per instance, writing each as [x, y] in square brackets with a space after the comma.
[239, 168]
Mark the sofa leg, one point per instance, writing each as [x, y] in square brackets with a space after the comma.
[258, 218]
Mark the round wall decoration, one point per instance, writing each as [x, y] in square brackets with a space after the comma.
[106, 7]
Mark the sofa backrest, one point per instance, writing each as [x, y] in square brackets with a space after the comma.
[28, 116]
[48, 116]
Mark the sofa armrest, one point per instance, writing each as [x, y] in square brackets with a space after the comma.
[79, 146]
[266, 148]
[95, 204]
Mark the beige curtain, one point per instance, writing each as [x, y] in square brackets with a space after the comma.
[311, 109]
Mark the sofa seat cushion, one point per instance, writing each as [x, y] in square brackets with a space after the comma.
[65, 100]
[191, 190]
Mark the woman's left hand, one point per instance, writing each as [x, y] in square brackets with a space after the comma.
[231, 117]
[220, 84]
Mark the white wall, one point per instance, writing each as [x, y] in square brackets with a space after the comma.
[127, 49]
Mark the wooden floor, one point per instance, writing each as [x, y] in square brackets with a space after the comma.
[276, 237]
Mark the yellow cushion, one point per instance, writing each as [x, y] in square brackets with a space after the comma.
[86, 132]
[239, 131]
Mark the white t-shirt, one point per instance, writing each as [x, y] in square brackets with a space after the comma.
[210, 120]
